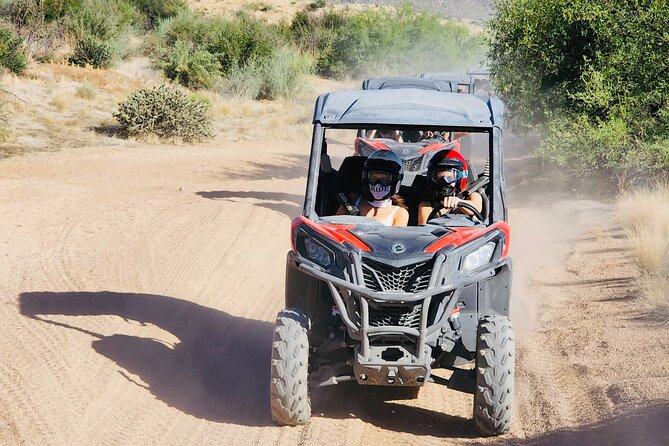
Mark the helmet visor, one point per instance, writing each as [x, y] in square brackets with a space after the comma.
[449, 175]
[381, 177]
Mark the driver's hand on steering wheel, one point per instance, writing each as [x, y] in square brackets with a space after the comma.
[451, 202]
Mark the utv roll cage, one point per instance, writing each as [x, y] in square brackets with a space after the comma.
[409, 108]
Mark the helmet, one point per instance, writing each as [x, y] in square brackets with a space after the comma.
[382, 175]
[450, 161]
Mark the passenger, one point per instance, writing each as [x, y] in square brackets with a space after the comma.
[447, 176]
[381, 178]
[387, 134]
[445, 136]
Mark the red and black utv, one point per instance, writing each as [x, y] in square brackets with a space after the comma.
[388, 305]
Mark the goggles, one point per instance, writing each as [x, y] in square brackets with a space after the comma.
[381, 177]
[449, 175]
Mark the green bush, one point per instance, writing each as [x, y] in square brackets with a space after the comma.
[190, 66]
[157, 10]
[250, 56]
[11, 52]
[245, 81]
[91, 51]
[37, 12]
[380, 41]
[49, 24]
[166, 112]
[285, 73]
[104, 19]
[592, 70]
[282, 75]
[234, 42]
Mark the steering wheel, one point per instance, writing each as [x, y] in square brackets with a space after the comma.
[437, 136]
[462, 204]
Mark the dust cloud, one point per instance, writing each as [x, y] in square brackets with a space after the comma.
[546, 215]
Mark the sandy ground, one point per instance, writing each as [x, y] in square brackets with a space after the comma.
[140, 283]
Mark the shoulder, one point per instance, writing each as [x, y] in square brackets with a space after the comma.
[401, 216]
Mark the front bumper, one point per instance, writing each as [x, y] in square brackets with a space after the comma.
[358, 305]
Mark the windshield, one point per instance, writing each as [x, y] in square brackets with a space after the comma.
[343, 176]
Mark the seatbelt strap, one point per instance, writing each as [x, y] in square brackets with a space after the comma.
[346, 203]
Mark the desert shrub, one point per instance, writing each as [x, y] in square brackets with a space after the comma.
[86, 91]
[244, 80]
[644, 215]
[104, 19]
[249, 56]
[40, 24]
[233, 41]
[590, 70]
[11, 52]
[166, 112]
[48, 25]
[315, 34]
[581, 144]
[243, 39]
[29, 12]
[316, 5]
[157, 10]
[282, 75]
[285, 73]
[91, 51]
[381, 41]
[190, 66]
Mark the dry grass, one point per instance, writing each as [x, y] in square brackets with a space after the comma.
[6, 133]
[86, 91]
[60, 102]
[645, 217]
[108, 80]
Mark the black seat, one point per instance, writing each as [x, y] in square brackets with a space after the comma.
[347, 180]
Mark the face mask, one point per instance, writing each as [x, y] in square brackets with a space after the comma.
[379, 192]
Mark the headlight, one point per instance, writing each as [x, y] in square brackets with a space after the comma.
[317, 252]
[478, 258]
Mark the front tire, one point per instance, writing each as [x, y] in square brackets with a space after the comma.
[495, 356]
[289, 384]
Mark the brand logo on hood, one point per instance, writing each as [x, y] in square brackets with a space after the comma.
[398, 248]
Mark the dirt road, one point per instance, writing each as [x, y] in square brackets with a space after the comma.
[140, 283]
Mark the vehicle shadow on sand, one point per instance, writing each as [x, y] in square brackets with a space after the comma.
[641, 427]
[218, 371]
[287, 204]
[381, 407]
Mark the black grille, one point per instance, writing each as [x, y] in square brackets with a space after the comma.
[411, 278]
[382, 315]
[413, 164]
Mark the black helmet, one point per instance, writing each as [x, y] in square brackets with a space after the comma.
[447, 160]
[382, 175]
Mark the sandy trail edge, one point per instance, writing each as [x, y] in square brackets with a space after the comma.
[143, 283]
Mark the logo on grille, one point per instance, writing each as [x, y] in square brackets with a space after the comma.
[398, 248]
[405, 151]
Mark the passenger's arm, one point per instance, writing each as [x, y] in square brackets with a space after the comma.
[424, 210]
[401, 217]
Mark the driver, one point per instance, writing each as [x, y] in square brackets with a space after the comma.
[381, 178]
[447, 177]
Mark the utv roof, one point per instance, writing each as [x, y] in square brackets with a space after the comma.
[448, 77]
[382, 83]
[408, 107]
